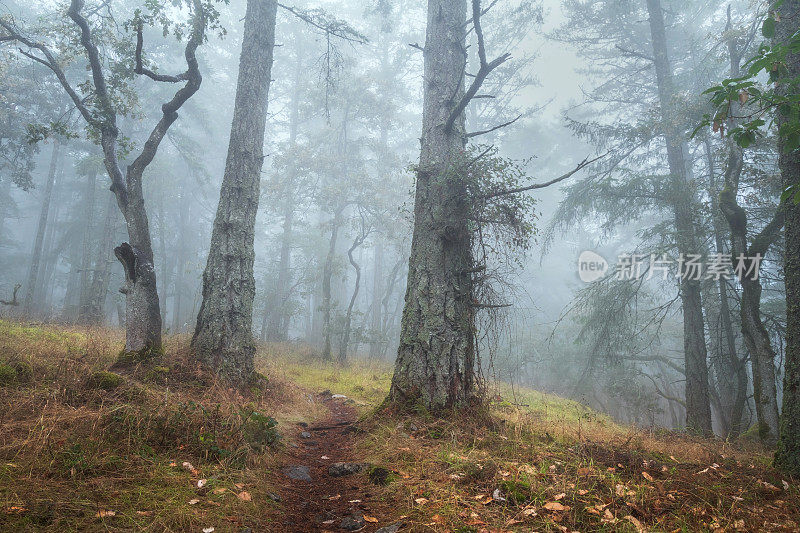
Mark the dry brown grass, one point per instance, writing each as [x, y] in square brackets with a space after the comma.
[78, 441]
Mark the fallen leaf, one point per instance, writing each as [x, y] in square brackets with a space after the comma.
[513, 521]
[354, 501]
[324, 457]
[105, 514]
[638, 525]
[370, 519]
[647, 476]
[331, 498]
[239, 486]
[244, 496]
[529, 511]
[738, 525]
[194, 501]
[555, 506]
[785, 484]
[421, 501]
[144, 513]
[583, 492]
[328, 522]
[201, 483]
[559, 496]
[220, 490]
[208, 530]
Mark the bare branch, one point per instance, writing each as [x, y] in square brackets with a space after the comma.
[51, 63]
[139, 68]
[417, 46]
[170, 109]
[503, 125]
[339, 29]
[483, 71]
[634, 53]
[583, 164]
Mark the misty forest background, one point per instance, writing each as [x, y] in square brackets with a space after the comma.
[333, 231]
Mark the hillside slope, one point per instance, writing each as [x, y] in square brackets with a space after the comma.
[89, 446]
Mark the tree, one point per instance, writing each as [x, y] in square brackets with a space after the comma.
[101, 111]
[223, 336]
[458, 194]
[787, 456]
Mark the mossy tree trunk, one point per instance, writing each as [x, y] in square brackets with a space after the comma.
[787, 456]
[223, 336]
[436, 358]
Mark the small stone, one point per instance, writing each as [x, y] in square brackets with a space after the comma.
[338, 396]
[273, 496]
[302, 424]
[345, 469]
[305, 435]
[413, 427]
[394, 528]
[353, 522]
[297, 472]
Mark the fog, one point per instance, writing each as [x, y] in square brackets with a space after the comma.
[336, 210]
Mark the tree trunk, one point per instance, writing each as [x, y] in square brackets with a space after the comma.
[223, 337]
[88, 233]
[436, 357]
[787, 457]
[36, 255]
[276, 316]
[349, 316]
[375, 324]
[94, 312]
[327, 273]
[698, 409]
[730, 369]
[142, 309]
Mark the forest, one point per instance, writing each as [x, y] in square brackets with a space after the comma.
[400, 265]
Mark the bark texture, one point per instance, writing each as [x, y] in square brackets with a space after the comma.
[698, 408]
[787, 457]
[223, 337]
[436, 356]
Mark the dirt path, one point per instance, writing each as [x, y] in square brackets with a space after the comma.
[327, 502]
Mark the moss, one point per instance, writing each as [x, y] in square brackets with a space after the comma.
[381, 476]
[138, 356]
[517, 492]
[105, 380]
[8, 375]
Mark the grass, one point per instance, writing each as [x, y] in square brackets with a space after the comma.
[88, 447]
[85, 446]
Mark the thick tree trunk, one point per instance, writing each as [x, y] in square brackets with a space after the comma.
[29, 304]
[698, 409]
[223, 336]
[142, 309]
[787, 456]
[436, 357]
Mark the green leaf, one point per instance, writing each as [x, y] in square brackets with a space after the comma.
[768, 28]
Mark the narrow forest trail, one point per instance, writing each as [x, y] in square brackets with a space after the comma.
[324, 486]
